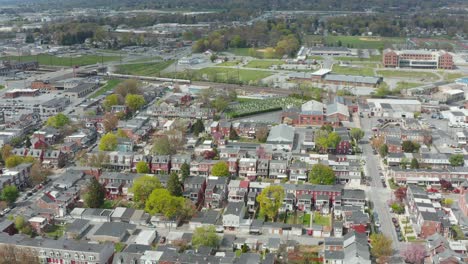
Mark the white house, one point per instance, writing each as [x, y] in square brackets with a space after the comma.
[233, 214]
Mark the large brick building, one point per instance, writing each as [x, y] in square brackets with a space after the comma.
[423, 59]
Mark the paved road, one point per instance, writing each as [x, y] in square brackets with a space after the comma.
[376, 193]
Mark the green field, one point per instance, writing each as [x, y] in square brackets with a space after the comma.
[371, 58]
[56, 231]
[51, 60]
[229, 63]
[361, 42]
[408, 74]
[144, 69]
[451, 76]
[239, 51]
[110, 85]
[406, 85]
[141, 60]
[263, 64]
[364, 71]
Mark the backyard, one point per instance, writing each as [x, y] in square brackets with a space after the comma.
[321, 220]
[56, 231]
[51, 60]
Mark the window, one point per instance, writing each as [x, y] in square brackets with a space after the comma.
[91, 258]
[82, 257]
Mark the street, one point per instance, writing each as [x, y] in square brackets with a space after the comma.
[377, 193]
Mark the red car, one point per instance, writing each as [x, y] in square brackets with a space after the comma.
[456, 191]
[432, 190]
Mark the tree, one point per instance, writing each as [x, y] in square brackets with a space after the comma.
[108, 142]
[38, 174]
[398, 208]
[142, 167]
[447, 202]
[29, 38]
[121, 134]
[408, 146]
[383, 150]
[414, 253]
[111, 100]
[377, 142]
[400, 194]
[184, 171]
[162, 146]
[13, 161]
[58, 121]
[209, 154]
[161, 201]
[198, 127]
[233, 134]
[174, 185]
[220, 103]
[414, 164]
[143, 186]
[457, 160]
[220, 169]
[261, 134]
[446, 185]
[6, 151]
[110, 122]
[322, 174]
[381, 246]
[333, 140]
[22, 225]
[127, 87]
[134, 101]
[95, 194]
[270, 200]
[356, 134]
[205, 236]
[10, 193]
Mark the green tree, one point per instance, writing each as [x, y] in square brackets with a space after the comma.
[205, 236]
[29, 38]
[408, 146]
[38, 174]
[270, 200]
[174, 185]
[381, 246]
[110, 101]
[142, 167]
[162, 146]
[322, 174]
[185, 171]
[414, 164]
[221, 169]
[356, 134]
[9, 194]
[6, 151]
[198, 127]
[128, 87]
[383, 150]
[333, 140]
[22, 225]
[121, 134]
[134, 101]
[143, 186]
[233, 134]
[13, 161]
[108, 142]
[220, 103]
[95, 194]
[58, 121]
[457, 160]
[161, 201]
[398, 208]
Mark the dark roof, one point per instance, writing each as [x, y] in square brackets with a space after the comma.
[77, 225]
[234, 208]
[113, 229]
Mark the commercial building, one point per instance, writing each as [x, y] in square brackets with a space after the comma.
[422, 59]
[21, 92]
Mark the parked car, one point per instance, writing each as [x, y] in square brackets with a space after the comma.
[394, 220]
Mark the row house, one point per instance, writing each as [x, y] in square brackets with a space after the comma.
[263, 168]
[191, 112]
[117, 183]
[160, 164]
[456, 175]
[202, 167]
[85, 137]
[37, 143]
[48, 134]
[278, 169]
[237, 190]
[194, 189]
[54, 158]
[120, 160]
[344, 146]
[233, 166]
[304, 203]
[59, 202]
[178, 160]
[216, 192]
[394, 145]
[435, 160]
[298, 171]
[18, 176]
[247, 167]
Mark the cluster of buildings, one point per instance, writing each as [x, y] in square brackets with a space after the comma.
[420, 59]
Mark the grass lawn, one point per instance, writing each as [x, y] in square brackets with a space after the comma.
[229, 63]
[305, 219]
[141, 60]
[119, 247]
[263, 64]
[361, 42]
[315, 57]
[239, 51]
[55, 231]
[407, 74]
[110, 85]
[51, 60]
[406, 85]
[321, 220]
[364, 71]
[449, 76]
[144, 69]
[2, 86]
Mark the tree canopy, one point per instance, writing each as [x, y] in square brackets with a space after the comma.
[205, 236]
[13, 161]
[185, 170]
[221, 168]
[9, 194]
[414, 254]
[111, 100]
[162, 146]
[95, 194]
[457, 160]
[134, 101]
[381, 246]
[108, 142]
[142, 167]
[174, 185]
[58, 121]
[161, 201]
[356, 134]
[143, 186]
[322, 174]
[270, 200]
[198, 127]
